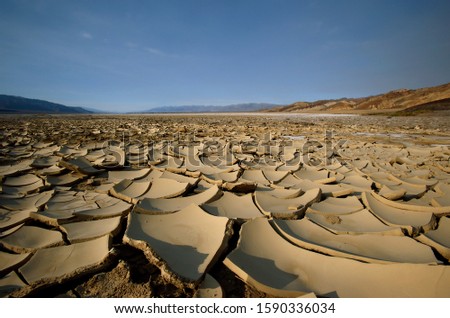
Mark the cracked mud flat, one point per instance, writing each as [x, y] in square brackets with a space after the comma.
[263, 205]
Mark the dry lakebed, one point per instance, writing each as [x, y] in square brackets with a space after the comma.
[224, 205]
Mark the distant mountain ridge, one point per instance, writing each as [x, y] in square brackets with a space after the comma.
[21, 105]
[245, 107]
[402, 101]
[396, 100]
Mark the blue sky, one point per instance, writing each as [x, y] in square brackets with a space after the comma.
[134, 55]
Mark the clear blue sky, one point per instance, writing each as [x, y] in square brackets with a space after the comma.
[134, 55]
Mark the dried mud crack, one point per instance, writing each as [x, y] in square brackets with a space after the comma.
[266, 205]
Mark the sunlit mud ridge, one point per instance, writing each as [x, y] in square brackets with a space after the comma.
[224, 206]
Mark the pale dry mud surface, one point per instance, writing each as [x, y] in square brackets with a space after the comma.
[224, 205]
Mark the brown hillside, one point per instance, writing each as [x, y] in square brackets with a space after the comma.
[392, 101]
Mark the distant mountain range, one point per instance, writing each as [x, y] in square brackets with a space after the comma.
[397, 100]
[247, 107]
[401, 101]
[20, 105]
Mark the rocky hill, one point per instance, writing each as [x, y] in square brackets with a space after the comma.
[396, 100]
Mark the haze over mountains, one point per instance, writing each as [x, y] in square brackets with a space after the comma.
[245, 107]
[406, 100]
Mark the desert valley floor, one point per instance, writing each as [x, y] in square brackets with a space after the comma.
[224, 205]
